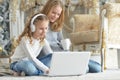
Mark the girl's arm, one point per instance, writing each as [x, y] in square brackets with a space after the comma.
[32, 53]
[60, 36]
[46, 48]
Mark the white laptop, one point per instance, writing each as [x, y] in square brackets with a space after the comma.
[69, 63]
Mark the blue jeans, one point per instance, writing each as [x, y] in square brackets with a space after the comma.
[93, 67]
[28, 67]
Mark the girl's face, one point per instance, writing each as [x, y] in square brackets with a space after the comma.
[41, 29]
[54, 13]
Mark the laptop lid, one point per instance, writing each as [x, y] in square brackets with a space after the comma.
[69, 63]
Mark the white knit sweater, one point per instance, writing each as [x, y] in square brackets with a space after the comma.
[25, 50]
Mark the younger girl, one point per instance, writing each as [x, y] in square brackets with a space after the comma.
[31, 42]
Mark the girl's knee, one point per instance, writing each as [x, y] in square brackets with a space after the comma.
[29, 69]
[31, 72]
[94, 67]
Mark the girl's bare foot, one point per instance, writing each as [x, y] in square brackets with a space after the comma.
[16, 73]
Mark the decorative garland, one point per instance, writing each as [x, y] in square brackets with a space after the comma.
[26, 4]
[5, 43]
[89, 3]
[118, 1]
[1, 1]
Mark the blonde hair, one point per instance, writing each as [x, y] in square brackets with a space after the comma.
[57, 25]
[27, 30]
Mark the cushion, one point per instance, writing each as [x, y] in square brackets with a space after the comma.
[84, 36]
[84, 22]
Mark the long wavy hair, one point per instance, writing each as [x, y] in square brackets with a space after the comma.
[58, 24]
[27, 30]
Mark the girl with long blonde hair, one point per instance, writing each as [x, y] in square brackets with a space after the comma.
[54, 9]
[31, 42]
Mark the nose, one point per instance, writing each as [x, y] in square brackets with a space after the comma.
[55, 16]
[44, 30]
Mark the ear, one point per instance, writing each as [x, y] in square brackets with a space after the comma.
[32, 26]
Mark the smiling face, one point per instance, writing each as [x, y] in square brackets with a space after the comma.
[54, 13]
[41, 29]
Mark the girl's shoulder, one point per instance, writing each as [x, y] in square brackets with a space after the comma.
[25, 39]
[45, 41]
